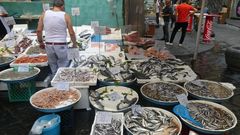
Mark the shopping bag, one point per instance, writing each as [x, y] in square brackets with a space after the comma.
[161, 21]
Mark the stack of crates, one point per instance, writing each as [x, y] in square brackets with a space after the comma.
[21, 90]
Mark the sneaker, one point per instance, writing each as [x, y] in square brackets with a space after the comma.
[168, 43]
[179, 44]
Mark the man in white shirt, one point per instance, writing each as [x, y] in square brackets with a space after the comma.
[55, 23]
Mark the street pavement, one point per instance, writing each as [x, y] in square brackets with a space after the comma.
[225, 35]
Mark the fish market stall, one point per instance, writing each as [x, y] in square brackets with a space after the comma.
[162, 93]
[215, 118]
[54, 100]
[107, 123]
[38, 60]
[113, 98]
[154, 121]
[208, 90]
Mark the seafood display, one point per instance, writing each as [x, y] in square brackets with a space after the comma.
[51, 98]
[113, 98]
[162, 92]
[208, 90]
[162, 54]
[34, 50]
[114, 127]
[152, 121]
[23, 45]
[119, 73]
[12, 75]
[75, 76]
[5, 60]
[173, 70]
[28, 59]
[215, 118]
[96, 61]
[134, 39]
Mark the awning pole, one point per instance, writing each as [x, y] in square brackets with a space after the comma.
[199, 30]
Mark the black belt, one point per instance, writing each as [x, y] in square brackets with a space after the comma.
[56, 43]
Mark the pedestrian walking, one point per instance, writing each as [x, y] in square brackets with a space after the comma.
[55, 23]
[166, 14]
[157, 8]
[182, 14]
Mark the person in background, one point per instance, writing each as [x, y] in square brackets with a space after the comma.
[157, 7]
[4, 28]
[166, 14]
[55, 22]
[182, 14]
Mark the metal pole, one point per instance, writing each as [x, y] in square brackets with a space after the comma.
[199, 30]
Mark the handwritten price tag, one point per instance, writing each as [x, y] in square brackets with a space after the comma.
[137, 109]
[73, 53]
[103, 117]
[114, 96]
[115, 70]
[23, 68]
[182, 98]
[63, 86]
[94, 24]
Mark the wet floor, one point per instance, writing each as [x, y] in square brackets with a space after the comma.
[17, 118]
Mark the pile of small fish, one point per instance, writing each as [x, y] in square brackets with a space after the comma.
[119, 73]
[35, 50]
[95, 61]
[211, 117]
[157, 68]
[73, 74]
[162, 91]
[53, 98]
[208, 89]
[114, 128]
[151, 122]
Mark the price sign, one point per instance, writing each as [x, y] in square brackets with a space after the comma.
[10, 20]
[45, 6]
[114, 96]
[102, 30]
[182, 98]
[75, 11]
[103, 117]
[94, 24]
[73, 53]
[115, 70]
[137, 109]
[23, 68]
[63, 86]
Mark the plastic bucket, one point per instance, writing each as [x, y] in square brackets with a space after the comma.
[55, 128]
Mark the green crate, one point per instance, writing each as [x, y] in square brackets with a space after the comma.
[21, 90]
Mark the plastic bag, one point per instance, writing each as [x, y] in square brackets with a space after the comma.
[161, 21]
[38, 126]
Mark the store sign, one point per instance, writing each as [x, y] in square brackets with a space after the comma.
[208, 29]
[103, 117]
[62, 86]
[23, 68]
[75, 11]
